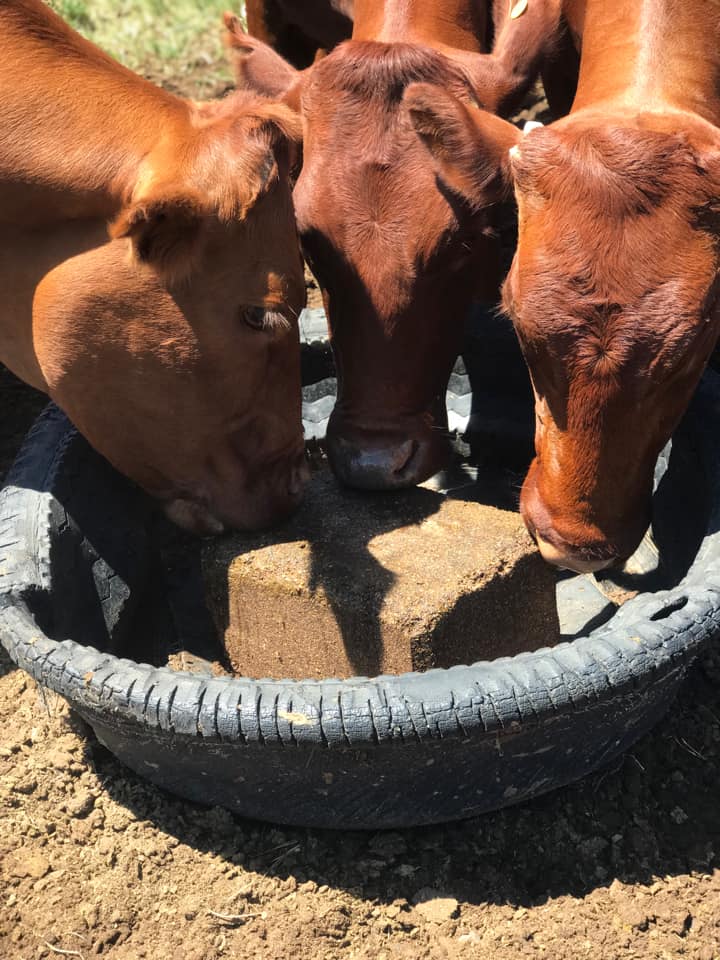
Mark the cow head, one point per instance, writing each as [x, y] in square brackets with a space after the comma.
[614, 295]
[399, 242]
[174, 348]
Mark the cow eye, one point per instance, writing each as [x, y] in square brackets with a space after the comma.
[254, 317]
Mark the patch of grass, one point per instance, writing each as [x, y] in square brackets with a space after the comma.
[174, 42]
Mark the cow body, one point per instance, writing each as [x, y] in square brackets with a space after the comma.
[399, 246]
[169, 343]
[614, 287]
[300, 30]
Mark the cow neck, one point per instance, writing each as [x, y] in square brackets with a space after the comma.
[450, 23]
[77, 125]
[652, 55]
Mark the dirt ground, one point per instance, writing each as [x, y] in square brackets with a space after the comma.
[94, 861]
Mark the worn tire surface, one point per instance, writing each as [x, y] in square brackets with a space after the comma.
[368, 753]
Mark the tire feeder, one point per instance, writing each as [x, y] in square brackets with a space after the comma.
[82, 580]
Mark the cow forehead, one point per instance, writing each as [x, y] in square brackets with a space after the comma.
[404, 190]
[622, 168]
[373, 182]
[550, 297]
[582, 251]
[368, 195]
[358, 132]
[573, 334]
[348, 126]
[372, 70]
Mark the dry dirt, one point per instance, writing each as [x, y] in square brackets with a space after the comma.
[93, 861]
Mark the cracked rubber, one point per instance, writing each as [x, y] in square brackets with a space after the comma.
[368, 753]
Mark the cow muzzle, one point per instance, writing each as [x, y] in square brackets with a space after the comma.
[236, 504]
[384, 460]
[567, 556]
[193, 517]
[566, 540]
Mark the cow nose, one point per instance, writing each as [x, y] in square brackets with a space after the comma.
[193, 516]
[585, 550]
[563, 555]
[384, 464]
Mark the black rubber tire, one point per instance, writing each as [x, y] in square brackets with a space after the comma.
[318, 400]
[316, 355]
[384, 752]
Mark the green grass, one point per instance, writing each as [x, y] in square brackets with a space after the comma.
[174, 42]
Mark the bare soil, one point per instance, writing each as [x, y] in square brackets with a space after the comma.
[96, 862]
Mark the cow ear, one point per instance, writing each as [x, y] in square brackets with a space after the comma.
[470, 147]
[258, 67]
[165, 233]
[277, 130]
[278, 122]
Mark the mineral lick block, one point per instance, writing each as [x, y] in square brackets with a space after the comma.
[359, 584]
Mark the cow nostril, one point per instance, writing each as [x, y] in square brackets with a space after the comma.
[383, 460]
[402, 456]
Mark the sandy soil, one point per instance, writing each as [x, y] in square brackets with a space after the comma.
[93, 861]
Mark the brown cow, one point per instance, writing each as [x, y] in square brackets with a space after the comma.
[301, 31]
[399, 251]
[173, 347]
[614, 287]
